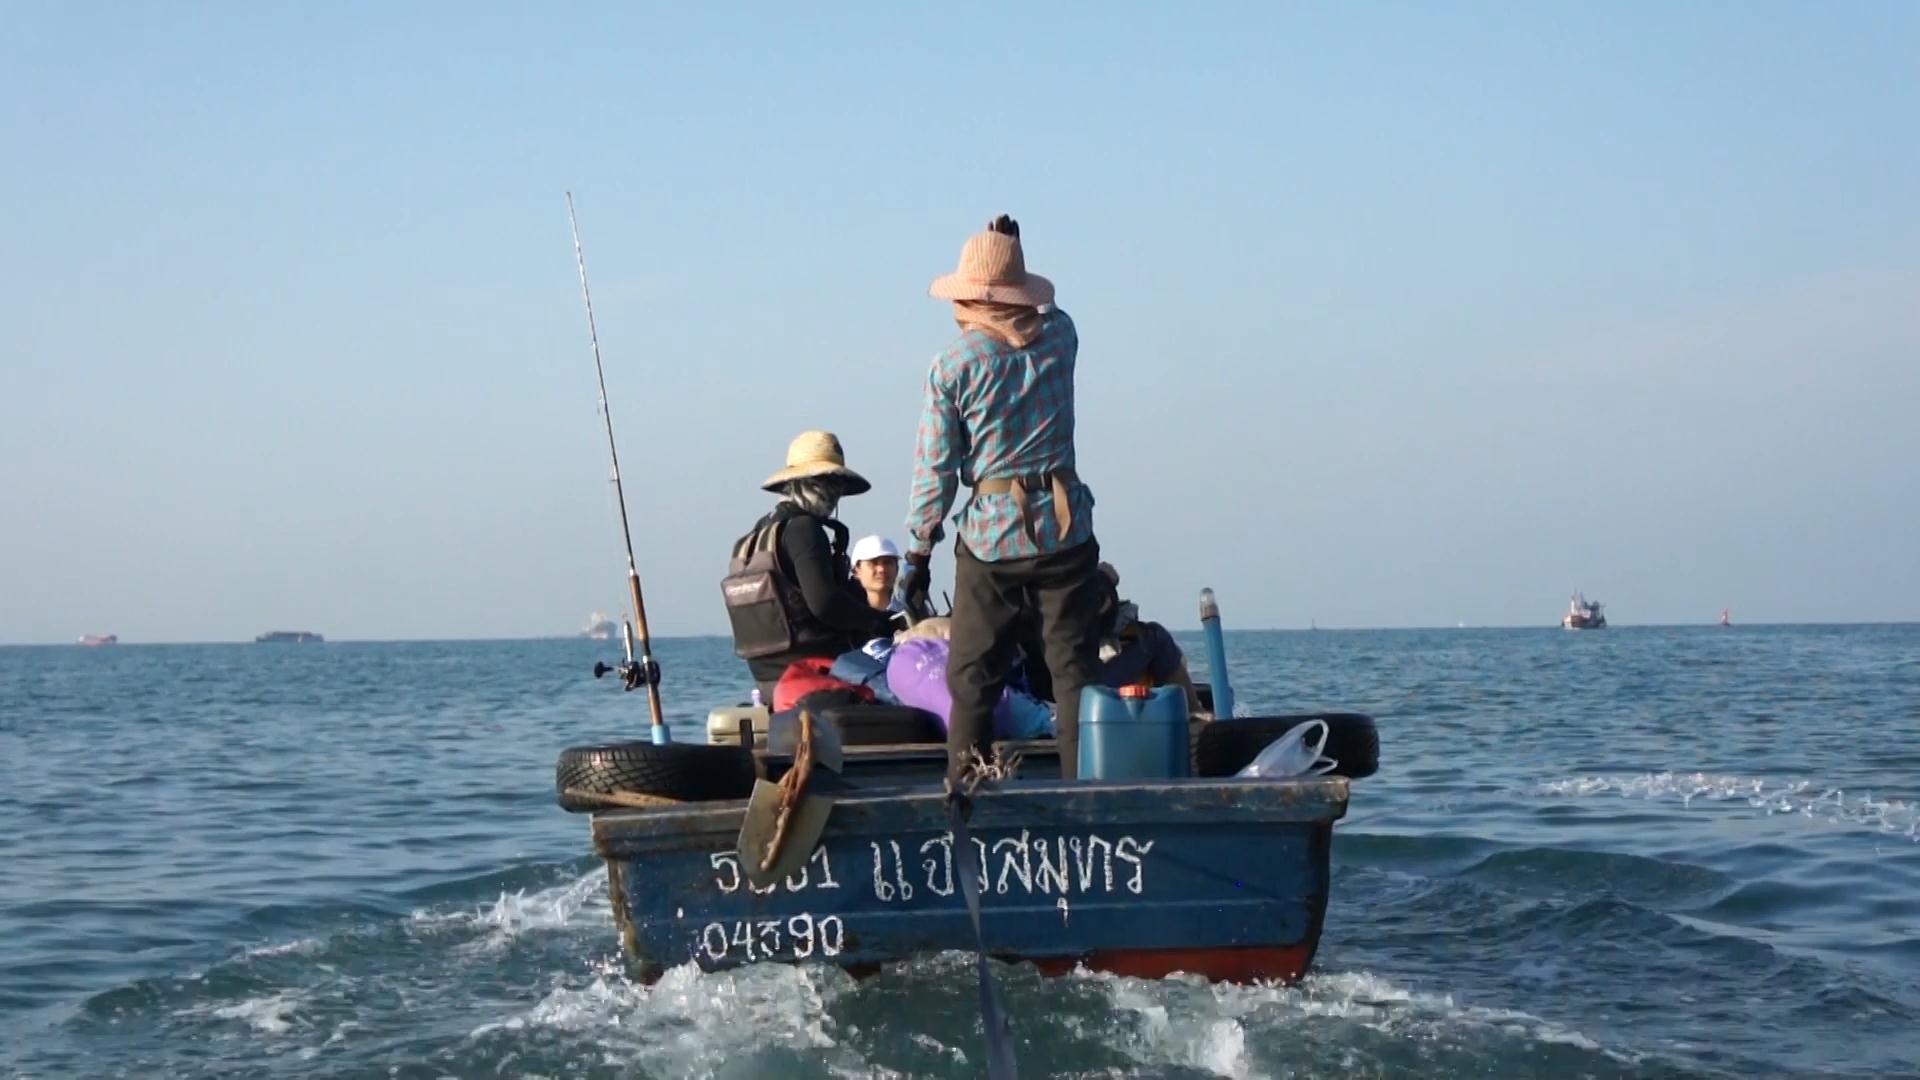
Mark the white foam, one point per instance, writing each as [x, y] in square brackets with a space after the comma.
[271, 1015]
[673, 1027]
[1204, 1026]
[299, 946]
[519, 912]
[1213, 1044]
[1801, 797]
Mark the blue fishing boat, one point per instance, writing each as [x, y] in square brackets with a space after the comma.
[828, 836]
[1203, 870]
[1225, 878]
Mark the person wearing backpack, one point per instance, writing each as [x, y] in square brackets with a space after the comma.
[788, 590]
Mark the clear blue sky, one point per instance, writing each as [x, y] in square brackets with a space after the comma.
[1390, 315]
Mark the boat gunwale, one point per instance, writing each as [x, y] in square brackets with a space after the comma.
[1015, 804]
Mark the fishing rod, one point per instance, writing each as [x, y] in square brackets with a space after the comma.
[640, 671]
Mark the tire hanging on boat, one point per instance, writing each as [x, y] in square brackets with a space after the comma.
[1224, 747]
[683, 772]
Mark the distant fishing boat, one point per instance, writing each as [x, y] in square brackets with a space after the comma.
[96, 640]
[1584, 614]
[1724, 624]
[289, 637]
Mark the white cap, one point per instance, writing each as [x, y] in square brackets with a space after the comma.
[873, 547]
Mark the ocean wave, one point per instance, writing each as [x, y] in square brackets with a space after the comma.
[687, 1023]
[1221, 1028]
[272, 1014]
[305, 946]
[1187, 1040]
[1804, 798]
[515, 913]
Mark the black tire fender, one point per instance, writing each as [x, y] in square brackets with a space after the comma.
[686, 772]
[1224, 747]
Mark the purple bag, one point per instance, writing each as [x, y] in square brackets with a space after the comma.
[917, 675]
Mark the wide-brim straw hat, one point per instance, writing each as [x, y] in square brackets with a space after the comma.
[993, 268]
[817, 453]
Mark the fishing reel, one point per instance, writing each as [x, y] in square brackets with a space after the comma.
[634, 674]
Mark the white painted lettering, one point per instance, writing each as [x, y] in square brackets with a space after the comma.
[882, 888]
[943, 885]
[713, 941]
[1052, 878]
[826, 869]
[725, 860]
[1018, 860]
[900, 872]
[1101, 858]
[1137, 882]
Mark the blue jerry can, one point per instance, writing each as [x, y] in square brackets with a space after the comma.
[1133, 733]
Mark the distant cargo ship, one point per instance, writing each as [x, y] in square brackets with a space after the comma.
[294, 637]
[99, 639]
[1584, 614]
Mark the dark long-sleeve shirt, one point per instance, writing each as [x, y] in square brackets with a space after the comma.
[832, 597]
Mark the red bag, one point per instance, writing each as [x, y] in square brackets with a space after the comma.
[809, 676]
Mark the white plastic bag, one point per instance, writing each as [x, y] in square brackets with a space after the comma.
[1291, 755]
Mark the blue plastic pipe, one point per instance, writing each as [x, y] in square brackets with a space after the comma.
[1216, 655]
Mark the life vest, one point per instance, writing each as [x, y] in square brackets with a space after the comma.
[767, 610]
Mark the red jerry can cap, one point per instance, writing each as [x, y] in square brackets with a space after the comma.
[1135, 690]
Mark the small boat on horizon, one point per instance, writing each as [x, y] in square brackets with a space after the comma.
[97, 640]
[289, 637]
[1584, 614]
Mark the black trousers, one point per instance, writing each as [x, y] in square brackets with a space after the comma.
[1064, 590]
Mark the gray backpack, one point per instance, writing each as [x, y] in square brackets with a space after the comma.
[760, 599]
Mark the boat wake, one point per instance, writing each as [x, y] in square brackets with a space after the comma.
[533, 981]
[513, 914]
[813, 1021]
[1357, 1021]
[1801, 797]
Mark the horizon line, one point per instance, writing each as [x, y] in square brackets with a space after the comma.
[1315, 628]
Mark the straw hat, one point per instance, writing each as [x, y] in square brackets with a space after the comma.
[993, 268]
[817, 453]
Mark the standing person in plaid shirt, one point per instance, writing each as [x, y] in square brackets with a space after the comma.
[999, 418]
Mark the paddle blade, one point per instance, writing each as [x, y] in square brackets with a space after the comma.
[804, 827]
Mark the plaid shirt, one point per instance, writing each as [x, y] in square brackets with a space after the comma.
[996, 412]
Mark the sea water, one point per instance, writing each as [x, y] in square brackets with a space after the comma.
[1630, 853]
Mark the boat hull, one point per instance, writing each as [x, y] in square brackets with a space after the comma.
[1224, 878]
